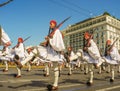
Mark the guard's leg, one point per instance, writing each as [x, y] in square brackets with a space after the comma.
[82, 66]
[118, 69]
[86, 68]
[108, 68]
[70, 69]
[6, 66]
[56, 74]
[29, 66]
[100, 70]
[56, 77]
[46, 69]
[23, 62]
[112, 73]
[66, 64]
[18, 73]
[79, 63]
[90, 81]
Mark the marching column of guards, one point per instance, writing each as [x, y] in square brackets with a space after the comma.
[51, 53]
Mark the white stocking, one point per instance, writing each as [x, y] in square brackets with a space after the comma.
[56, 74]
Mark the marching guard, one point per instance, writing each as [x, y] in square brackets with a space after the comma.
[23, 57]
[19, 55]
[71, 63]
[91, 55]
[55, 45]
[29, 53]
[112, 57]
[6, 55]
[6, 42]
[111, 53]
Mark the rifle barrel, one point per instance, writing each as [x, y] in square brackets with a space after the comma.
[63, 22]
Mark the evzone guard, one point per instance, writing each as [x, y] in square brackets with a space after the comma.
[6, 55]
[29, 53]
[19, 55]
[91, 55]
[5, 42]
[54, 46]
[112, 57]
[22, 56]
[72, 60]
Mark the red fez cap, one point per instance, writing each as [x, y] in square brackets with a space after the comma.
[86, 34]
[53, 21]
[108, 41]
[20, 40]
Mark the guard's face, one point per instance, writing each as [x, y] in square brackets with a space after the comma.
[69, 49]
[52, 25]
[20, 40]
[108, 42]
[29, 49]
[87, 37]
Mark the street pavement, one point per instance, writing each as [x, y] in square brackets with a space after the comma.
[35, 81]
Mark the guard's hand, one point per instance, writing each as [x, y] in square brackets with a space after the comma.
[85, 48]
[46, 38]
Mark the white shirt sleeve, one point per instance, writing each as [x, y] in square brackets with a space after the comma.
[4, 38]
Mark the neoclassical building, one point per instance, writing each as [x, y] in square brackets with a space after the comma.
[103, 27]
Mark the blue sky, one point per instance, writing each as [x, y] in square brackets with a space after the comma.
[23, 18]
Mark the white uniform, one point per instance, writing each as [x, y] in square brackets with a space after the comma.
[4, 37]
[57, 44]
[41, 52]
[57, 41]
[114, 57]
[73, 55]
[21, 53]
[6, 56]
[28, 57]
[53, 52]
[93, 55]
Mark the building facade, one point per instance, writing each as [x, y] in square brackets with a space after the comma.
[103, 27]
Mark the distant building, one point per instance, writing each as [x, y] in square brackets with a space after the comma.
[103, 27]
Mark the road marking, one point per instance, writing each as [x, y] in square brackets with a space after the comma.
[110, 88]
[23, 80]
[39, 89]
[3, 81]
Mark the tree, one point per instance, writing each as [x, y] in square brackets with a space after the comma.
[106, 13]
[5, 3]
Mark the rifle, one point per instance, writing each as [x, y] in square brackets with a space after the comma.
[23, 41]
[26, 38]
[112, 45]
